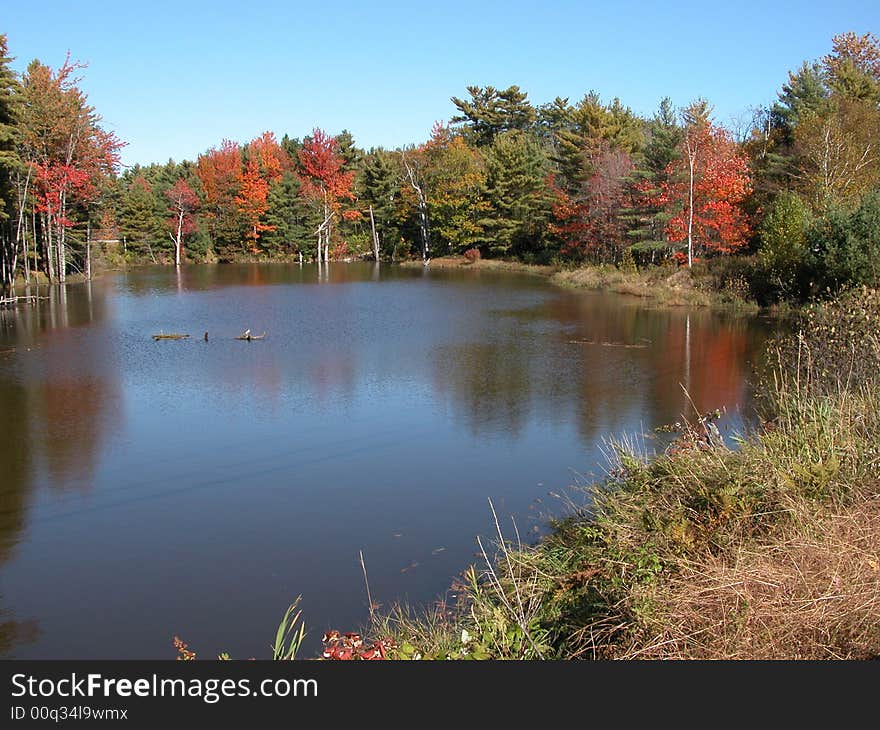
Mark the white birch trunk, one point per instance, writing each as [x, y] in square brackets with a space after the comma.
[177, 242]
[692, 153]
[88, 250]
[423, 209]
[375, 236]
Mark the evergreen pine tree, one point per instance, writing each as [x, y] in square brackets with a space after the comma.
[142, 220]
[646, 218]
[491, 112]
[290, 218]
[377, 186]
[519, 199]
[10, 162]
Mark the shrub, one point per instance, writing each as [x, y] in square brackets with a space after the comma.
[838, 344]
[472, 255]
[783, 253]
[846, 246]
[736, 277]
[627, 263]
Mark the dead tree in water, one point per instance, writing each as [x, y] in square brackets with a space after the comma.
[323, 234]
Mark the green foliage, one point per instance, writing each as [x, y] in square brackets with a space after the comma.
[853, 66]
[141, 219]
[590, 127]
[378, 184]
[491, 112]
[646, 217]
[10, 115]
[846, 246]
[519, 199]
[456, 183]
[290, 220]
[783, 252]
[804, 94]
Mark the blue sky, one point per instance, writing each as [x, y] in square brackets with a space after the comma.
[173, 79]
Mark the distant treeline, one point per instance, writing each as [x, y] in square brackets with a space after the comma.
[795, 196]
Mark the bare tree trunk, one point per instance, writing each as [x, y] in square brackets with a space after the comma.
[50, 251]
[179, 237]
[27, 263]
[22, 200]
[3, 250]
[692, 152]
[323, 234]
[36, 241]
[11, 261]
[375, 236]
[423, 209]
[62, 248]
[327, 216]
[88, 250]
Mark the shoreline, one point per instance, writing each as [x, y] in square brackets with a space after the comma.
[661, 285]
[667, 286]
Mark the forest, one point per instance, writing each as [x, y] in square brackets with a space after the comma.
[790, 204]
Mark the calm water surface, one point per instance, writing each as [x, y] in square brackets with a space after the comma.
[187, 487]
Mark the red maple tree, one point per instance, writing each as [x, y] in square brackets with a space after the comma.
[588, 220]
[704, 192]
[66, 151]
[325, 183]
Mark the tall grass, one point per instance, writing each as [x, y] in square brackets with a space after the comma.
[290, 633]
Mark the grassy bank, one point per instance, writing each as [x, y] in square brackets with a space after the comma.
[666, 285]
[769, 550]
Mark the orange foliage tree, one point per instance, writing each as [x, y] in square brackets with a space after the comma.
[265, 163]
[219, 172]
[325, 184]
[704, 192]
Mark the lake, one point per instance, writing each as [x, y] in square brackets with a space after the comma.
[191, 487]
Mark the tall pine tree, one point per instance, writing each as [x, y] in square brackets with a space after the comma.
[10, 163]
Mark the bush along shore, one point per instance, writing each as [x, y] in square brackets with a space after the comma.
[770, 550]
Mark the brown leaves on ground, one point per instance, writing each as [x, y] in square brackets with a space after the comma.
[351, 646]
[812, 593]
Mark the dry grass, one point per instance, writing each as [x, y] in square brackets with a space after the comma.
[456, 262]
[812, 592]
[667, 285]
